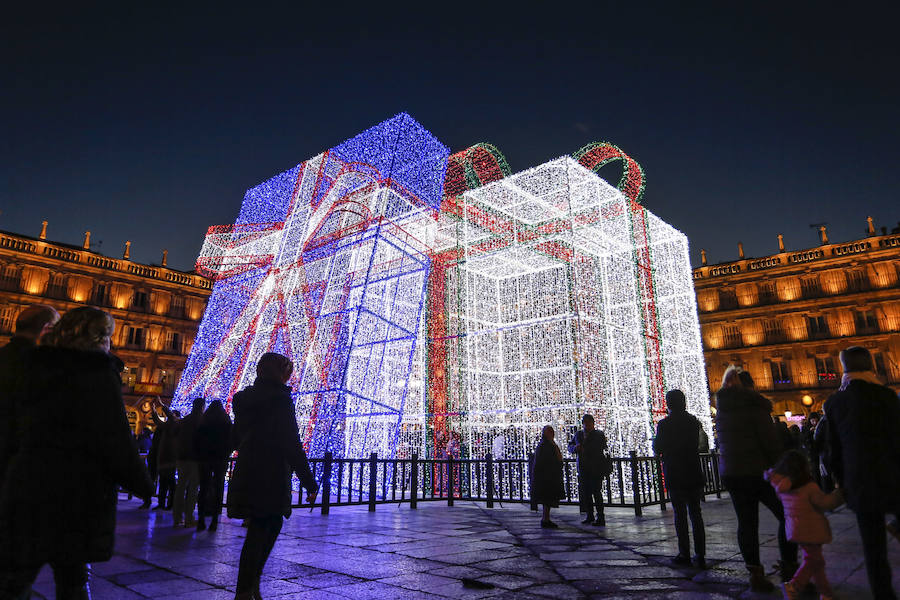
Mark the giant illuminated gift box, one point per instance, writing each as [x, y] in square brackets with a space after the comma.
[421, 302]
[559, 296]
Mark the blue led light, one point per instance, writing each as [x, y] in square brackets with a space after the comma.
[323, 266]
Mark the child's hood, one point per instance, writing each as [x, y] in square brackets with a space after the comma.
[780, 482]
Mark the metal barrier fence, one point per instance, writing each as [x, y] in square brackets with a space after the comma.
[635, 482]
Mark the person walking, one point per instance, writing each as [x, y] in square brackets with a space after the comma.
[589, 446]
[748, 445]
[266, 437]
[677, 443]
[165, 453]
[547, 487]
[145, 445]
[188, 485]
[213, 447]
[804, 506]
[863, 419]
[58, 500]
[808, 434]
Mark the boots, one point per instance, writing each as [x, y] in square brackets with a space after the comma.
[758, 580]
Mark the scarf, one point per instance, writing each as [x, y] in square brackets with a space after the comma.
[869, 376]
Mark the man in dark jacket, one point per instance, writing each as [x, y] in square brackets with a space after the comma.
[188, 485]
[213, 446]
[31, 324]
[267, 439]
[864, 418]
[677, 443]
[589, 445]
[748, 445]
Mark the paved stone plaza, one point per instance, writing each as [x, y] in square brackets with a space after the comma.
[400, 553]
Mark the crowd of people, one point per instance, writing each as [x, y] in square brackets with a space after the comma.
[850, 454]
[59, 485]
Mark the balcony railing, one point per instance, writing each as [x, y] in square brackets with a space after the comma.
[636, 481]
[768, 297]
[10, 284]
[814, 333]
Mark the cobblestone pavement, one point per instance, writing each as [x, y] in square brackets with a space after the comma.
[400, 553]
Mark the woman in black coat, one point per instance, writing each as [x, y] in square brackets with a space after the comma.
[267, 440]
[212, 445]
[547, 476]
[748, 445]
[58, 502]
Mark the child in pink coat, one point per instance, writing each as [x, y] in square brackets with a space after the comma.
[804, 509]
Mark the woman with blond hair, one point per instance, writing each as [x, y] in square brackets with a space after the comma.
[748, 445]
[58, 502]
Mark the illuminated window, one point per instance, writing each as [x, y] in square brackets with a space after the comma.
[857, 281]
[817, 326]
[880, 369]
[137, 337]
[727, 298]
[57, 287]
[732, 335]
[140, 301]
[101, 294]
[7, 316]
[781, 372]
[173, 342]
[177, 309]
[129, 376]
[774, 331]
[825, 370]
[811, 287]
[866, 321]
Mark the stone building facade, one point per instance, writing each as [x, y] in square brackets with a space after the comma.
[785, 317]
[157, 309]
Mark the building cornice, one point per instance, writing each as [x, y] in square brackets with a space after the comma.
[95, 262]
[821, 256]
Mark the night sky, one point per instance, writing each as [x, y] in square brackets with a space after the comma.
[150, 126]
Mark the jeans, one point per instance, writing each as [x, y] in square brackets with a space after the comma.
[874, 538]
[684, 503]
[186, 490]
[812, 568]
[591, 496]
[261, 535]
[212, 488]
[71, 582]
[746, 494]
